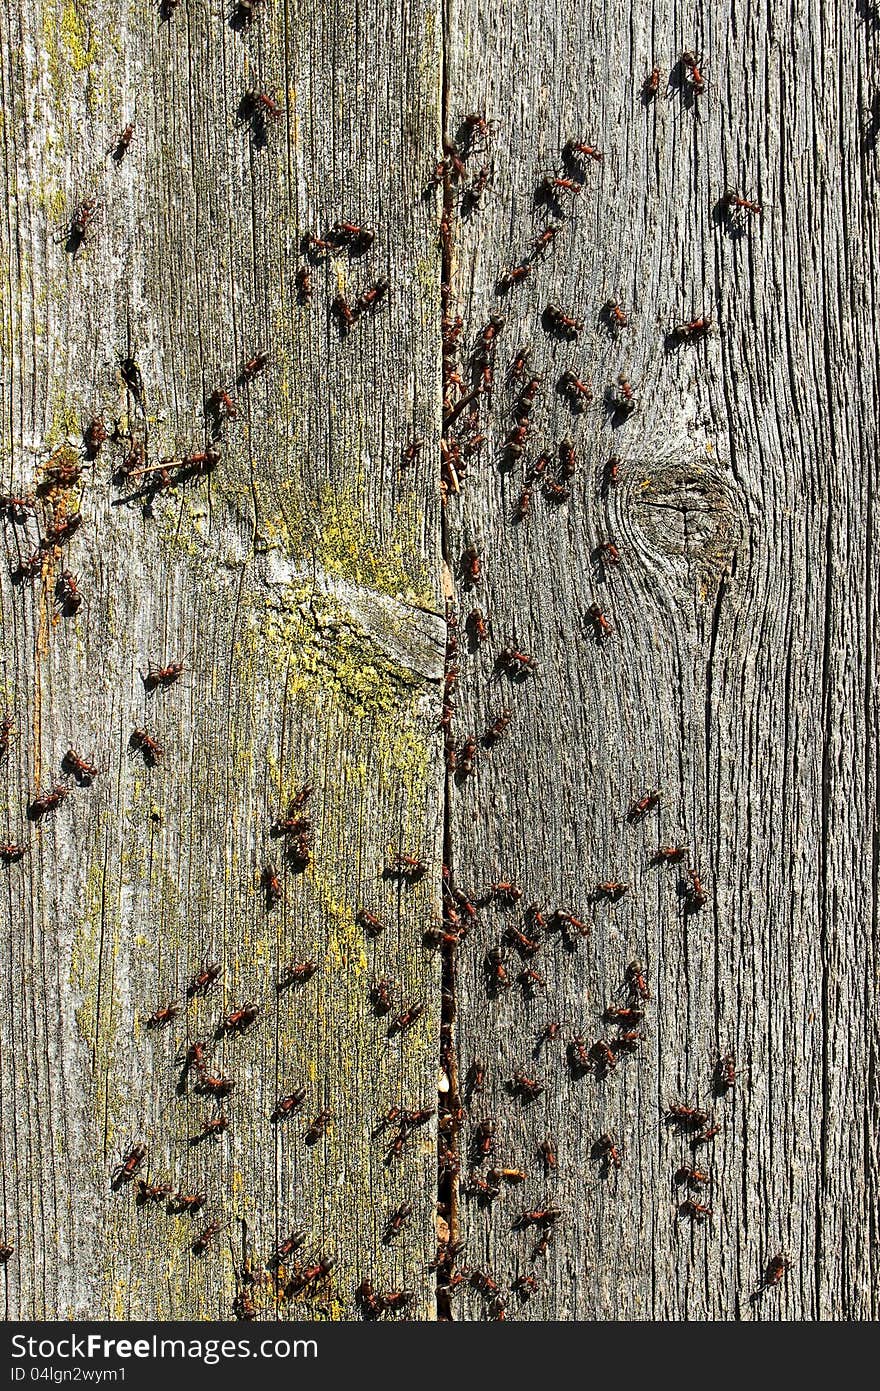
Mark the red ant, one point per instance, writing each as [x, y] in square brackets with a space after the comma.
[694, 78]
[689, 332]
[640, 808]
[636, 980]
[512, 277]
[10, 852]
[204, 1239]
[318, 1127]
[239, 1019]
[151, 751]
[517, 369]
[62, 529]
[406, 1019]
[94, 436]
[580, 393]
[545, 239]
[611, 889]
[286, 1105]
[370, 923]
[259, 105]
[614, 315]
[163, 676]
[607, 1149]
[496, 970]
[271, 886]
[49, 800]
[84, 215]
[551, 186]
[472, 567]
[187, 1202]
[369, 299]
[622, 400]
[776, 1268]
[68, 592]
[694, 1178]
[724, 1074]
[254, 366]
[608, 552]
[120, 149]
[207, 976]
[223, 404]
[515, 663]
[81, 769]
[669, 854]
[547, 1151]
[303, 283]
[563, 324]
[129, 1165]
[213, 1127]
[734, 203]
[573, 147]
[601, 625]
[695, 895]
[697, 1212]
[162, 1015]
[297, 973]
[498, 727]
[651, 85]
[464, 759]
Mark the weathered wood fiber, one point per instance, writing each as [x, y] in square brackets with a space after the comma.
[740, 676]
[299, 584]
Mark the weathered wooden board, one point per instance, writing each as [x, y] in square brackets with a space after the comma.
[300, 585]
[740, 676]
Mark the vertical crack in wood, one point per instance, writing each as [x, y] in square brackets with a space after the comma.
[447, 1135]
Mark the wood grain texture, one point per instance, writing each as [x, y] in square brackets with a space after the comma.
[299, 584]
[740, 676]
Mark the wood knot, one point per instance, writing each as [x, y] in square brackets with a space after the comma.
[684, 512]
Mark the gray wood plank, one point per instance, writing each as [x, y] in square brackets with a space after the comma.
[738, 680]
[298, 583]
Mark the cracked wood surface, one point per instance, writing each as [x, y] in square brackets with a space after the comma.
[740, 677]
[299, 584]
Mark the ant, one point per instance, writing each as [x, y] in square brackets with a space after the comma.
[162, 1015]
[370, 923]
[547, 1152]
[561, 324]
[694, 80]
[206, 977]
[143, 743]
[601, 626]
[640, 808]
[271, 886]
[296, 973]
[578, 393]
[118, 151]
[318, 1127]
[406, 1019]
[48, 801]
[79, 767]
[621, 400]
[162, 676]
[129, 1165]
[285, 1105]
[68, 593]
[651, 86]
[607, 1151]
